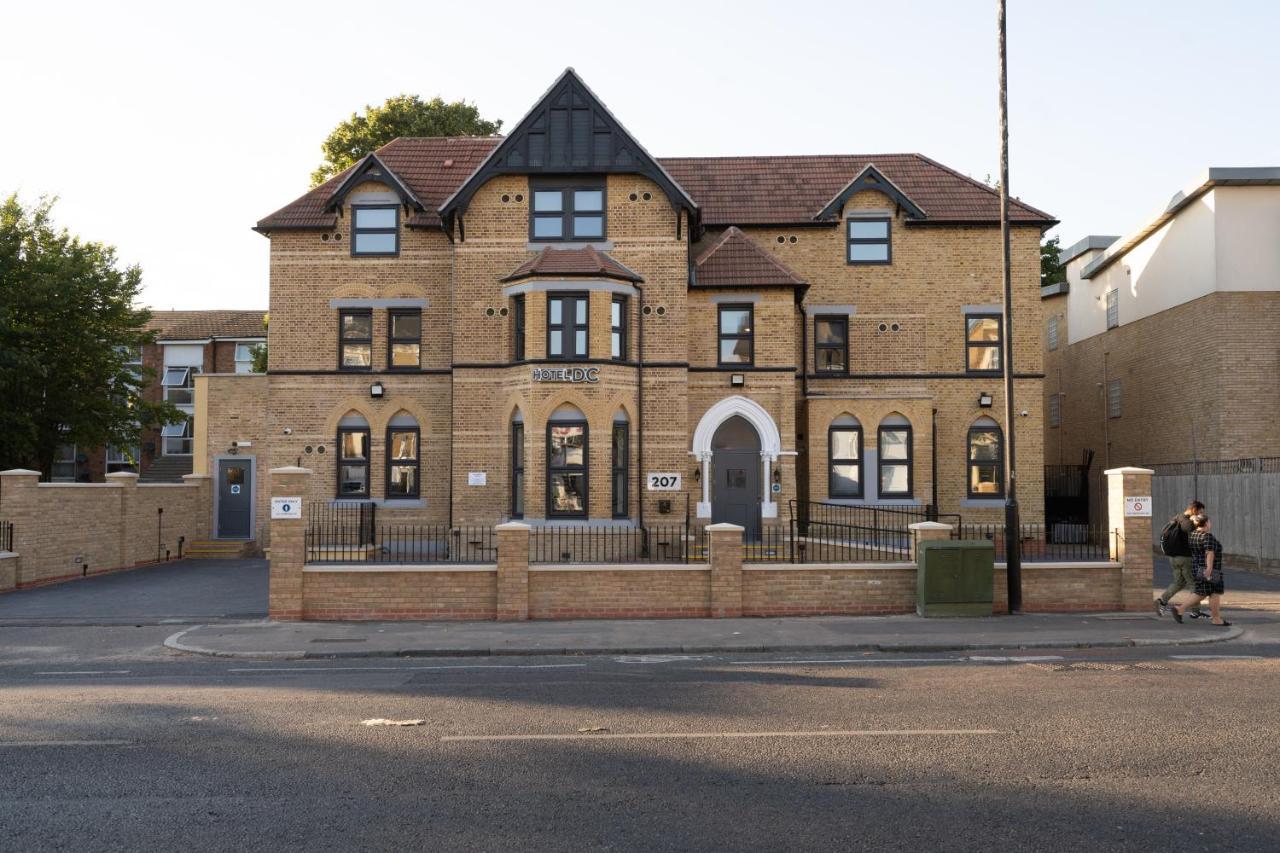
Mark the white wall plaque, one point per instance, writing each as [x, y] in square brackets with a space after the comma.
[286, 507]
[663, 482]
[1137, 506]
[477, 478]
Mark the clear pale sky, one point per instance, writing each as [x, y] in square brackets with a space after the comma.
[168, 129]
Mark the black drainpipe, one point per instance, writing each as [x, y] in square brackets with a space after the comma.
[804, 353]
[933, 507]
[640, 406]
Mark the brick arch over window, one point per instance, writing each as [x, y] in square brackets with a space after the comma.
[350, 406]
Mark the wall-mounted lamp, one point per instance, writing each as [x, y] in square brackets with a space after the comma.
[777, 475]
[376, 390]
[984, 400]
[737, 380]
[697, 474]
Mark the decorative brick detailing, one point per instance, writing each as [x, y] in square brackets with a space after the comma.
[725, 560]
[1134, 547]
[513, 572]
[288, 548]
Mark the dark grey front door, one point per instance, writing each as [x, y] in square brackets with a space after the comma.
[235, 498]
[735, 472]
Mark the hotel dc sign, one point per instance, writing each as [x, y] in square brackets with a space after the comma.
[566, 374]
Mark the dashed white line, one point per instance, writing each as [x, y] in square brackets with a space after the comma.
[402, 668]
[1015, 658]
[848, 660]
[87, 672]
[707, 735]
[17, 743]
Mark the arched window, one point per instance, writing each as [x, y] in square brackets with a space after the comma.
[353, 456]
[621, 459]
[844, 449]
[403, 457]
[517, 465]
[894, 457]
[567, 454]
[986, 459]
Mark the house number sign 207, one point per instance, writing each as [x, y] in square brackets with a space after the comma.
[664, 482]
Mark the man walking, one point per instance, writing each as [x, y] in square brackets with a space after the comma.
[1175, 541]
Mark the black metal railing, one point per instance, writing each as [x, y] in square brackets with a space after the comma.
[1049, 543]
[887, 518]
[6, 535]
[673, 543]
[344, 522]
[831, 542]
[330, 542]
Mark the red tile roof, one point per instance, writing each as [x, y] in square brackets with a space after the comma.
[782, 190]
[573, 263]
[734, 260]
[199, 325]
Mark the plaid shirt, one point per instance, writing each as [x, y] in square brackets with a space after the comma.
[1202, 542]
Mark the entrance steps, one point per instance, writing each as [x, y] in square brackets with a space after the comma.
[220, 549]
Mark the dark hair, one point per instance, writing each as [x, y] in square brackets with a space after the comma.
[1197, 506]
[1200, 520]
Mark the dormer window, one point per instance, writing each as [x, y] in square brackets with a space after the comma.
[375, 230]
[567, 212]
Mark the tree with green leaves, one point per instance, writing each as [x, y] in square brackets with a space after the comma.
[68, 332]
[1051, 269]
[403, 115]
[259, 352]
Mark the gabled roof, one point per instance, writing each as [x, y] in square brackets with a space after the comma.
[372, 169]
[734, 260]
[870, 178]
[201, 325]
[585, 262]
[569, 130]
[792, 190]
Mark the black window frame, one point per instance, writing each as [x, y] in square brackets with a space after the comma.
[517, 469]
[415, 463]
[569, 328]
[851, 241]
[909, 462]
[620, 496]
[749, 337]
[833, 461]
[518, 328]
[567, 213]
[356, 231]
[343, 342]
[341, 460]
[997, 344]
[970, 463]
[584, 469]
[843, 321]
[620, 330]
[392, 340]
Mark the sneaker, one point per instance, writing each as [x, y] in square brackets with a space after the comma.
[1161, 607]
[1196, 614]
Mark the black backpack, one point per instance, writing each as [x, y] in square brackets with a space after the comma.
[1171, 536]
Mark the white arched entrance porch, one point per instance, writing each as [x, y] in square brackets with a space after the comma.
[770, 447]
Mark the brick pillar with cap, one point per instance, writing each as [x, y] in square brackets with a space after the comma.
[1129, 526]
[288, 546]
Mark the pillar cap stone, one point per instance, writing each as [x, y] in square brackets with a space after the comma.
[1129, 469]
[19, 472]
[120, 475]
[290, 469]
[726, 527]
[929, 525]
[197, 477]
[513, 525]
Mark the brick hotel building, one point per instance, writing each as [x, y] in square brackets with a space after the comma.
[557, 326]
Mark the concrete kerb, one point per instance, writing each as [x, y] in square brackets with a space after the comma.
[177, 643]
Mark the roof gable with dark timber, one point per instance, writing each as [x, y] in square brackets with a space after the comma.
[568, 131]
[871, 178]
[373, 169]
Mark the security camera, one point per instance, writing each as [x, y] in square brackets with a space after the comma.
[288, 430]
[1024, 413]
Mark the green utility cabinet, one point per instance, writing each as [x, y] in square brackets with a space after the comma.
[954, 577]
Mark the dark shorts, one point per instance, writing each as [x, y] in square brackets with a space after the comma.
[1213, 586]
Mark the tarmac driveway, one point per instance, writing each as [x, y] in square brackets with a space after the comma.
[176, 592]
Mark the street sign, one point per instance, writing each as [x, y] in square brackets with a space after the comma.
[1137, 507]
[286, 507]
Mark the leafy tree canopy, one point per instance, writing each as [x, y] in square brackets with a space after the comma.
[403, 115]
[1051, 269]
[68, 330]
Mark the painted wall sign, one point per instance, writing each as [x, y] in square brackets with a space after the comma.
[1138, 506]
[477, 478]
[286, 507]
[664, 482]
[566, 374]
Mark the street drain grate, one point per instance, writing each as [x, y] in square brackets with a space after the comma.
[1099, 666]
[338, 640]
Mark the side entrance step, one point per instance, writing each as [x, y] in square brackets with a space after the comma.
[224, 549]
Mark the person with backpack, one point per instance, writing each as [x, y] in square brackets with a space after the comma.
[1206, 558]
[1175, 542]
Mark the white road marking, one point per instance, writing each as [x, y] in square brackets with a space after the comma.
[849, 660]
[402, 668]
[1015, 658]
[657, 658]
[8, 743]
[87, 672]
[708, 735]
[1217, 657]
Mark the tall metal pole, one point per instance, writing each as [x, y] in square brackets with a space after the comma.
[1012, 537]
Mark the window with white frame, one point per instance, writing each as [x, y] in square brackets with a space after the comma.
[175, 439]
[244, 357]
[123, 459]
[179, 385]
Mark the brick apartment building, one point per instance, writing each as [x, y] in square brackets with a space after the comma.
[1162, 346]
[187, 343]
[556, 326]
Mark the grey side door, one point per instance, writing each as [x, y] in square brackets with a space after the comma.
[235, 498]
[735, 494]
